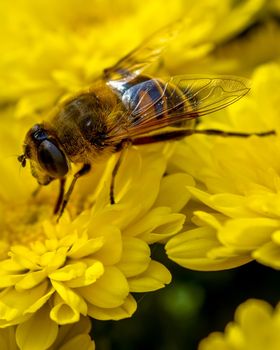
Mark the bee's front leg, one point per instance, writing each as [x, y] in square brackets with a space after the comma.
[60, 196]
[65, 198]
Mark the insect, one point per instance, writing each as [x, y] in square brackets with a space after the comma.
[122, 108]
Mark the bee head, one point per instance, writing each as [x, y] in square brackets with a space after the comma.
[47, 159]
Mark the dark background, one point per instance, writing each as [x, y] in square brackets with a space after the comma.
[193, 305]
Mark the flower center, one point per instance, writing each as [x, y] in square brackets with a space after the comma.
[22, 223]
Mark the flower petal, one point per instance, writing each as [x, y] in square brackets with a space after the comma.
[157, 225]
[247, 233]
[109, 291]
[135, 256]
[192, 249]
[39, 332]
[75, 343]
[68, 272]
[71, 298]
[155, 277]
[14, 304]
[110, 252]
[63, 313]
[31, 279]
[92, 273]
[173, 191]
[268, 254]
[126, 310]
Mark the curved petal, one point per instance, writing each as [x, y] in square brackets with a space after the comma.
[135, 257]
[155, 277]
[39, 332]
[109, 291]
[126, 310]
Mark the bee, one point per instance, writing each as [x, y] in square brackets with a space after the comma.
[122, 108]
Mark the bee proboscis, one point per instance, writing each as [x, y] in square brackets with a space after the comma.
[125, 107]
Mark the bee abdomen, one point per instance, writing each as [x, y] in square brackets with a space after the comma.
[147, 98]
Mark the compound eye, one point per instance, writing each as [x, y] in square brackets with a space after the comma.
[52, 159]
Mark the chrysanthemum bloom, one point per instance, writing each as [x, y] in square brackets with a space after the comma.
[236, 197]
[41, 334]
[256, 327]
[91, 261]
[98, 254]
[90, 264]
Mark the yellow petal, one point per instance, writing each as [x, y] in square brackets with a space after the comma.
[39, 332]
[109, 291]
[72, 330]
[75, 343]
[92, 273]
[110, 252]
[254, 315]
[215, 341]
[63, 313]
[268, 254]
[192, 249]
[126, 310]
[69, 272]
[155, 277]
[25, 257]
[228, 204]
[135, 256]
[157, 225]
[31, 280]
[84, 247]
[173, 191]
[247, 233]
[14, 303]
[9, 280]
[40, 301]
[8, 339]
[71, 298]
[11, 266]
[54, 259]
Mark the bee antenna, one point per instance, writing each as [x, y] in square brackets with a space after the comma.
[22, 160]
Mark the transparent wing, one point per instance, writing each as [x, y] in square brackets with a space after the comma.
[143, 56]
[154, 104]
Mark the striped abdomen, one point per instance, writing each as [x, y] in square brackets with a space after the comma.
[148, 98]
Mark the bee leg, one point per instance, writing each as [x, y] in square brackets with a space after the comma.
[84, 170]
[171, 135]
[236, 134]
[60, 196]
[36, 191]
[178, 134]
[114, 173]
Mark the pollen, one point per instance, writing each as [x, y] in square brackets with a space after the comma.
[23, 224]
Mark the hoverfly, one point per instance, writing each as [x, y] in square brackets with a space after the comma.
[124, 107]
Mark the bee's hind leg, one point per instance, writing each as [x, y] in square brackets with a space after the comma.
[178, 134]
[234, 134]
[65, 198]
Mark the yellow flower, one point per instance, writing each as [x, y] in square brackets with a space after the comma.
[42, 334]
[98, 255]
[237, 200]
[256, 327]
[61, 46]
[88, 265]
[242, 55]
